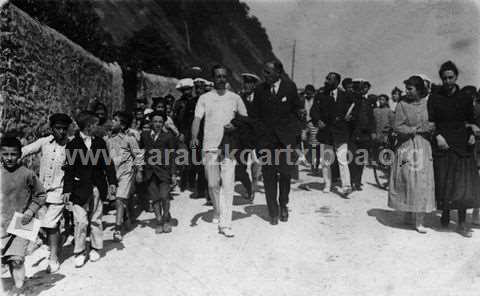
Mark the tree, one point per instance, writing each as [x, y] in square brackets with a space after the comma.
[147, 51]
[75, 19]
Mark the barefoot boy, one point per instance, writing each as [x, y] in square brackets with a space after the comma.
[128, 161]
[52, 159]
[21, 192]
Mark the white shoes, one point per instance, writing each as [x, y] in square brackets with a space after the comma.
[94, 255]
[226, 232]
[80, 260]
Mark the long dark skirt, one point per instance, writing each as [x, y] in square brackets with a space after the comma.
[457, 183]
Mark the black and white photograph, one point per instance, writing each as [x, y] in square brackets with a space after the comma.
[240, 147]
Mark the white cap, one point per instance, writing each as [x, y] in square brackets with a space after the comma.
[183, 83]
[250, 75]
[147, 111]
[201, 80]
[359, 80]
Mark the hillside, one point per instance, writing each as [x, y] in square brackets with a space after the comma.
[152, 34]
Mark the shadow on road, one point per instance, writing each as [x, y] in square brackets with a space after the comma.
[395, 219]
[205, 216]
[376, 186]
[38, 283]
[260, 211]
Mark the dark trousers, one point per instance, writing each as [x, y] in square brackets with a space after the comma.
[277, 178]
[202, 185]
[241, 175]
[357, 148]
[192, 171]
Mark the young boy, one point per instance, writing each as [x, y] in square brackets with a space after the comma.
[87, 164]
[21, 192]
[128, 160]
[52, 158]
[159, 171]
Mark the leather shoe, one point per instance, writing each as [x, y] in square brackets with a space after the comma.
[274, 220]
[284, 214]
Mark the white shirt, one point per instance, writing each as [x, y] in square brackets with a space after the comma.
[276, 85]
[52, 158]
[335, 94]
[218, 111]
[87, 140]
[308, 107]
[393, 105]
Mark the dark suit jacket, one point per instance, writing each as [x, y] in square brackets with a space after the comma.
[363, 122]
[83, 173]
[332, 113]
[184, 112]
[156, 154]
[278, 115]
[248, 105]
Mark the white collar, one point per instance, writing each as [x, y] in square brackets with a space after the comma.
[277, 83]
[335, 92]
[84, 136]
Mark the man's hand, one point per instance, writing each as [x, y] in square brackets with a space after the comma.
[471, 140]
[27, 217]
[194, 143]
[112, 189]
[442, 143]
[66, 197]
[348, 117]
[229, 127]
[475, 129]
[181, 137]
[321, 124]
[174, 180]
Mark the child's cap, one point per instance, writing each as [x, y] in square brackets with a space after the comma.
[9, 141]
[60, 118]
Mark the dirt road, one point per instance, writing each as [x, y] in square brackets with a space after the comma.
[329, 246]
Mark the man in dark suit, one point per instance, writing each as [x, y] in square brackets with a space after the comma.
[331, 112]
[277, 108]
[363, 127]
[87, 164]
[250, 81]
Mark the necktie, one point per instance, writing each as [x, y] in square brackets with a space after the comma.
[273, 89]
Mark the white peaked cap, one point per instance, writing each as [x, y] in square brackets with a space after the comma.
[183, 83]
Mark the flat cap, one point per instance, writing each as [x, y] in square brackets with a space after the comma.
[60, 118]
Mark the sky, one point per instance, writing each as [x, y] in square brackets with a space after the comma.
[384, 42]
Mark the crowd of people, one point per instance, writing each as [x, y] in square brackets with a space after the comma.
[264, 131]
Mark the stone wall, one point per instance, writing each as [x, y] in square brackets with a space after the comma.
[43, 72]
[151, 85]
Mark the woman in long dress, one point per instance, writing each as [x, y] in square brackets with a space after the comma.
[411, 187]
[456, 176]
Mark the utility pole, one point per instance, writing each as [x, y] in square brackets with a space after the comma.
[187, 36]
[293, 59]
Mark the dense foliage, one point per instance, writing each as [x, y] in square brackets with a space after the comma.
[220, 31]
[75, 19]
